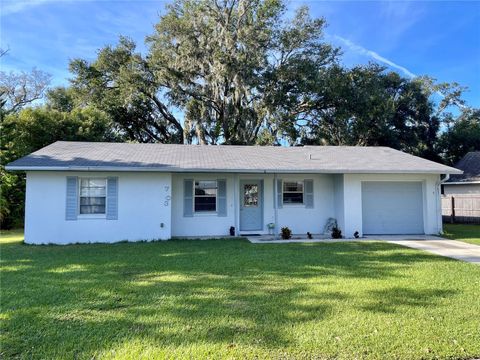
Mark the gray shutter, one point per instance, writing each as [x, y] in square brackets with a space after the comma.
[71, 209]
[279, 193]
[188, 197]
[308, 192]
[222, 197]
[112, 198]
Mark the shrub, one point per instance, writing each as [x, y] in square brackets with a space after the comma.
[330, 225]
[286, 233]
[336, 233]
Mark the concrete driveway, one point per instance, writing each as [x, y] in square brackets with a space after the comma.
[439, 246]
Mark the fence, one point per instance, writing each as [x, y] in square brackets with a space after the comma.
[461, 208]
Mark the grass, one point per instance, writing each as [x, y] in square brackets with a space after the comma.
[231, 299]
[468, 233]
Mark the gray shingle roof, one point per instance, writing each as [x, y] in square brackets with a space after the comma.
[98, 156]
[470, 164]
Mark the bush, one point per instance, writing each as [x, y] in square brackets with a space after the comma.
[336, 233]
[286, 233]
[330, 225]
[12, 199]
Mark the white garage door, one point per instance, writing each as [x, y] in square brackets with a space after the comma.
[392, 207]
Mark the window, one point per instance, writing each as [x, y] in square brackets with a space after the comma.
[205, 196]
[250, 195]
[93, 196]
[293, 192]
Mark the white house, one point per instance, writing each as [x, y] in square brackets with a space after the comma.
[79, 192]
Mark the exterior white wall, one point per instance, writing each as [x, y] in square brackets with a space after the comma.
[353, 200]
[298, 218]
[143, 204]
[339, 200]
[201, 224]
[461, 189]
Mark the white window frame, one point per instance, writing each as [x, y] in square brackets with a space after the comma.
[205, 212]
[91, 216]
[293, 192]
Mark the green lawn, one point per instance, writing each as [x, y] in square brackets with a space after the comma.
[231, 299]
[467, 233]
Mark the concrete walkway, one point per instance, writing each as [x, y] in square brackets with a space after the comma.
[300, 238]
[434, 244]
[449, 248]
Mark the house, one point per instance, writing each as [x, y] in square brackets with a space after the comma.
[461, 192]
[468, 182]
[80, 192]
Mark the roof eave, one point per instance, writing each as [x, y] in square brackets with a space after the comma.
[207, 170]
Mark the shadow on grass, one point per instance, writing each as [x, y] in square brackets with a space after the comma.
[90, 298]
[462, 231]
[395, 299]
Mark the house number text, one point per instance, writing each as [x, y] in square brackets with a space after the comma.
[167, 196]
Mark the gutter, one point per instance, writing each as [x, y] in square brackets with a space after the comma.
[210, 170]
[447, 176]
[461, 182]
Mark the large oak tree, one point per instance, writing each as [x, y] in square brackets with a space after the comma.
[212, 73]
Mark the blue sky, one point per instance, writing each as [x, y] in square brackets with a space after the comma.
[436, 38]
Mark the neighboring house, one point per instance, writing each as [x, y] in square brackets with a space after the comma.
[468, 182]
[107, 192]
[461, 200]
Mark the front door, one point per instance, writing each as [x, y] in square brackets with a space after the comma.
[251, 207]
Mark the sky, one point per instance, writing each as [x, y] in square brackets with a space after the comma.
[436, 38]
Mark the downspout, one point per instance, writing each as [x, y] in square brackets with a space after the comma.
[275, 201]
[439, 201]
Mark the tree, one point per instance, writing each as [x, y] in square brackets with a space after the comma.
[121, 83]
[214, 62]
[20, 89]
[450, 93]
[31, 129]
[61, 98]
[462, 135]
[221, 61]
[366, 106]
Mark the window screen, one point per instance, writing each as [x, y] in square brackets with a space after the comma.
[293, 192]
[93, 196]
[205, 196]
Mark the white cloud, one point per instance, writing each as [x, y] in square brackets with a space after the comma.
[372, 54]
[14, 6]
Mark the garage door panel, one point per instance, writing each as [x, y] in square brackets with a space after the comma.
[392, 207]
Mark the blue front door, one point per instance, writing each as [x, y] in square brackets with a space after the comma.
[251, 206]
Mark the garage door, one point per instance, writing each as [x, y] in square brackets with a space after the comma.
[392, 207]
